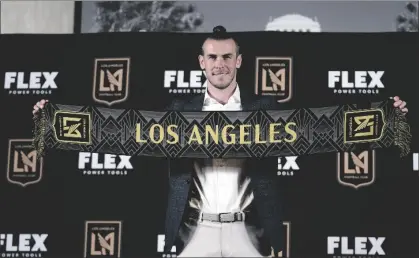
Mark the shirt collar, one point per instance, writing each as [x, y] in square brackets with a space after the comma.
[235, 98]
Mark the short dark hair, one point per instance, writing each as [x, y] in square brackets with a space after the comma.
[220, 33]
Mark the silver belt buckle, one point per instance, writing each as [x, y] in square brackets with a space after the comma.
[226, 217]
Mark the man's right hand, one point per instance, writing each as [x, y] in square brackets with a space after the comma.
[39, 105]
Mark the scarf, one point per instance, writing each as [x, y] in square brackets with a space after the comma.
[230, 134]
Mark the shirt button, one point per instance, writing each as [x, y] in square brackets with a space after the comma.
[219, 162]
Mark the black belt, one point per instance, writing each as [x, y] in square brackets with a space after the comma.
[223, 217]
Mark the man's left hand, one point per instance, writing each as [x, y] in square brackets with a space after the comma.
[400, 104]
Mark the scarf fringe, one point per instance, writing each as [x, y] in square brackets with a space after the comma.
[403, 136]
[38, 143]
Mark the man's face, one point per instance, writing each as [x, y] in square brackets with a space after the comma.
[220, 62]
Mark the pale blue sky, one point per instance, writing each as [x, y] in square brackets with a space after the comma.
[368, 16]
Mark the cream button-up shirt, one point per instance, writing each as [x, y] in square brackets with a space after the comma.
[220, 182]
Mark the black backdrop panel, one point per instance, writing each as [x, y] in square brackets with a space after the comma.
[316, 204]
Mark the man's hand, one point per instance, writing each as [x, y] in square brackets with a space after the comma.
[400, 104]
[39, 105]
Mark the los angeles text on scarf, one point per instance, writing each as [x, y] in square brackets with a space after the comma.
[257, 134]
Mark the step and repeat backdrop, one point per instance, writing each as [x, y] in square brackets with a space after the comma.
[86, 204]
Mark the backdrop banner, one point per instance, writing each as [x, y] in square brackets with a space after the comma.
[79, 181]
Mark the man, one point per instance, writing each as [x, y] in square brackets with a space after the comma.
[214, 220]
[215, 204]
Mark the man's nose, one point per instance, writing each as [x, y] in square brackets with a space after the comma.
[219, 62]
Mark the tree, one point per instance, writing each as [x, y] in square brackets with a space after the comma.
[163, 16]
[407, 21]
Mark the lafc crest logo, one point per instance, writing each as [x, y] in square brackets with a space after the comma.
[363, 125]
[103, 239]
[286, 253]
[23, 166]
[356, 168]
[274, 77]
[72, 127]
[111, 80]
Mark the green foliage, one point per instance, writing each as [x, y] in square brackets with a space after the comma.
[407, 21]
[168, 16]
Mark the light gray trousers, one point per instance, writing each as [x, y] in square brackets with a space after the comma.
[213, 239]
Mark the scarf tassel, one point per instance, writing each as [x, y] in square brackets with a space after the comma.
[403, 136]
[38, 143]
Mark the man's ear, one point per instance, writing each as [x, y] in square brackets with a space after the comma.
[239, 61]
[201, 62]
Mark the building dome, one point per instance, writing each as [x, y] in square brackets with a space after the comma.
[293, 23]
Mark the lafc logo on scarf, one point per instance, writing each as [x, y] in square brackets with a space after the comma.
[363, 125]
[111, 80]
[356, 168]
[274, 77]
[73, 127]
[103, 239]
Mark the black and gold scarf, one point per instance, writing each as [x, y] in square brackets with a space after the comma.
[228, 134]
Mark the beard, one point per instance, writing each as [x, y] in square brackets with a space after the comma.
[221, 80]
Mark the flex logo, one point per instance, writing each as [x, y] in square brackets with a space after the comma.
[181, 82]
[356, 82]
[23, 245]
[104, 164]
[355, 246]
[35, 83]
[287, 165]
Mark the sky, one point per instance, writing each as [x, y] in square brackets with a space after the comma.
[358, 16]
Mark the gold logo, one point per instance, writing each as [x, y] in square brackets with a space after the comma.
[356, 169]
[363, 125]
[23, 167]
[72, 127]
[72, 131]
[286, 230]
[274, 77]
[103, 238]
[111, 80]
